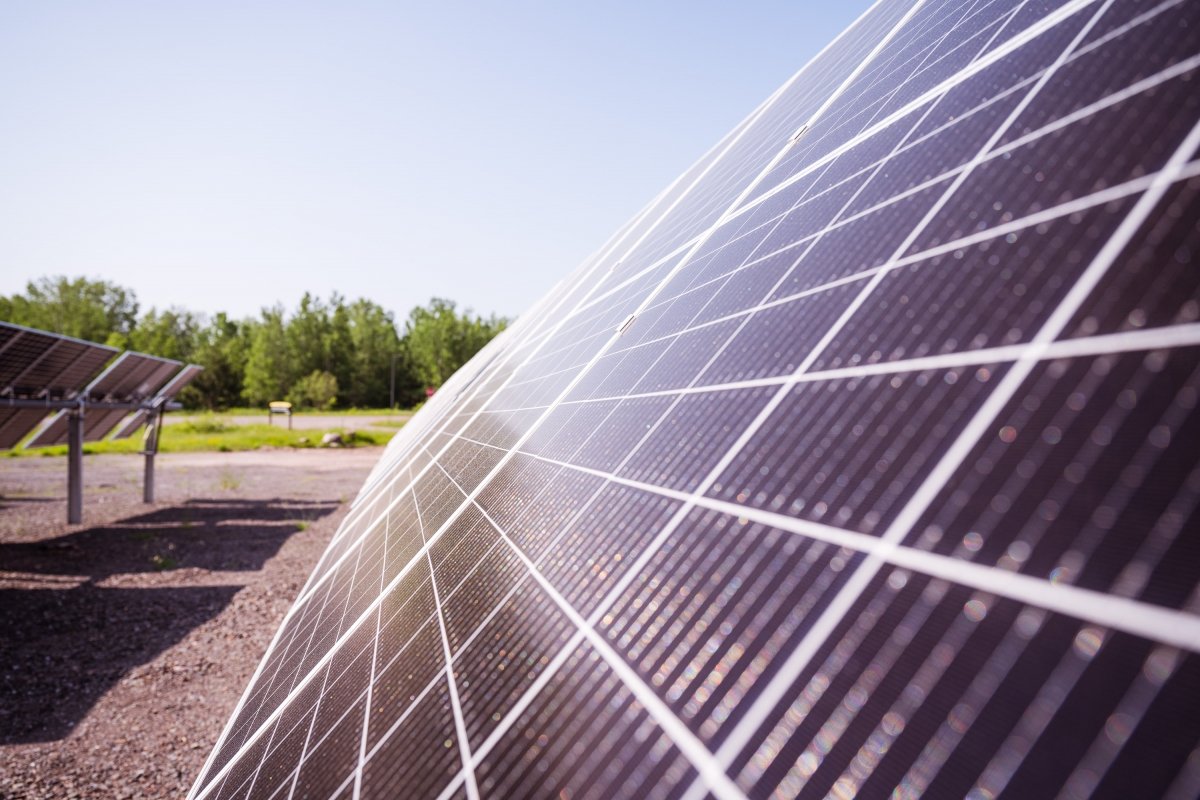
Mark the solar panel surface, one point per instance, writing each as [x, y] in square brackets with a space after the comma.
[132, 378]
[36, 365]
[864, 461]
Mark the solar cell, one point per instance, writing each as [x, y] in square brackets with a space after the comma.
[864, 461]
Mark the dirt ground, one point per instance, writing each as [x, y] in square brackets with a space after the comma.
[126, 642]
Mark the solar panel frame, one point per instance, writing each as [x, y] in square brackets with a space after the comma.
[438, 467]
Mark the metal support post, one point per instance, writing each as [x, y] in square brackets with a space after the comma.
[75, 467]
[150, 450]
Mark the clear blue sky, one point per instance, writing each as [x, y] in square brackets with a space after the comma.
[228, 155]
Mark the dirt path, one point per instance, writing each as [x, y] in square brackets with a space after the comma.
[126, 642]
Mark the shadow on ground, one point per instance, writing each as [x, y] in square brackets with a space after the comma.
[64, 641]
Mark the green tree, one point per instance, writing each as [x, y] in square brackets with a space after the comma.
[95, 310]
[308, 333]
[268, 373]
[374, 344]
[172, 333]
[223, 349]
[318, 390]
[438, 339]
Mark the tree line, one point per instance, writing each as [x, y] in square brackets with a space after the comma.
[333, 353]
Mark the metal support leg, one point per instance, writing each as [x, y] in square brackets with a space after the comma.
[148, 480]
[75, 468]
[150, 450]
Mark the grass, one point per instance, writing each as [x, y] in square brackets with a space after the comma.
[211, 433]
[389, 423]
[309, 412]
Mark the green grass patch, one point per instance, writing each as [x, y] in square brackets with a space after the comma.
[217, 435]
[247, 411]
[389, 423]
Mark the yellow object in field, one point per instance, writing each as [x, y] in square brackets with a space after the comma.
[279, 407]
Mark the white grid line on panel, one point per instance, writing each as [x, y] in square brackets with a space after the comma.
[320, 740]
[1018, 40]
[829, 101]
[316, 710]
[753, 156]
[958, 451]
[366, 724]
[688, 743]
[1177, 628]
[246, 693]
[316, 668]
[1035, 30]
[967, 14]
[1182, 335]
[460, 725]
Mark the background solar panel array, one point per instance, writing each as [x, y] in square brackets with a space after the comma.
[36, 365]
[862, 461]
[132, 378]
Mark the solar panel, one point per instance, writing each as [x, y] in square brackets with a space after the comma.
[132, 378]
[864, 461]
[36, 365]
[165, 395]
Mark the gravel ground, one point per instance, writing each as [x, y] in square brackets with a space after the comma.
[125, 642]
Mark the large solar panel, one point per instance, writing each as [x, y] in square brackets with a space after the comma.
[36, 365]
[864, 461]
[132, 378]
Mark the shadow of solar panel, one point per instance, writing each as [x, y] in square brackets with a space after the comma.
[860, 463]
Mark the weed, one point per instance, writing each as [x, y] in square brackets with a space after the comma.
[163, 562]
[229, 481]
